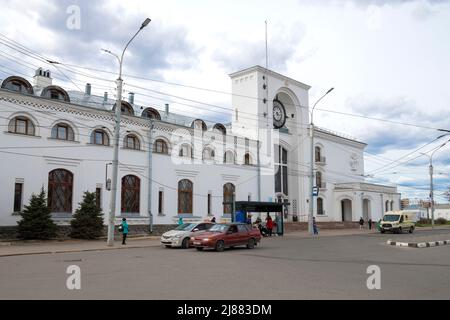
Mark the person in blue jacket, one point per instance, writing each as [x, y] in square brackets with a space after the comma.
[124, 230]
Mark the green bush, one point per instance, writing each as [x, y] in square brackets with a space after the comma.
[424, 221]
[36, 222]
[88, 221]
[441, 221]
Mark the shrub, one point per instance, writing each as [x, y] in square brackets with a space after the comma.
[36, 222]
[424, 221]
[441, 221]
[88, 221]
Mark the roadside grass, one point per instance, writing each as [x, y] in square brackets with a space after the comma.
[429, 224]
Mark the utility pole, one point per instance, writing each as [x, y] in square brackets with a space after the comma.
[430, 156]
[311, 178]
[115, 162]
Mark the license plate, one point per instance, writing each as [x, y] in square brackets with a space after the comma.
[197, 243]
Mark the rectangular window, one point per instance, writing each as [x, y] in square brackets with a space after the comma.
[98, 198]
[209, 203]
[160, 202]
[18, 188]
[21, 126]
[62, 133]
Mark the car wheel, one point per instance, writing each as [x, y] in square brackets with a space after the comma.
[185, 243]
[220, 245]
[382, 231]
[251, 243]
[168, 246]
[400, 230]
[411, 230]
[199, 248]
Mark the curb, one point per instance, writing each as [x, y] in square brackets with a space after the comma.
[418, 244]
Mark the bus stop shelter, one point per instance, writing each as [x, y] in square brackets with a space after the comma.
[242, 209]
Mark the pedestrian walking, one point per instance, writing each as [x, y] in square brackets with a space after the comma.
[361, 223]
[269, 224]
[124, 230]
[180, 221]
[316, 231]
[370, 224]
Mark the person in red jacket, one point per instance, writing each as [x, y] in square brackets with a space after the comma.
[269, 224]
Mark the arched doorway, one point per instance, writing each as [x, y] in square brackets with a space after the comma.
[366, 209]
[346, 209]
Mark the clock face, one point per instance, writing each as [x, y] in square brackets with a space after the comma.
[279, 114]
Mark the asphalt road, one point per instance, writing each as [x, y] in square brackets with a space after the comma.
[331, 267]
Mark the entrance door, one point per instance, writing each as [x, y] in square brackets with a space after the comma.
[366, 209]
[346, 209]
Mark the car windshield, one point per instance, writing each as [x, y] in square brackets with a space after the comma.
[391, 217]
[186, 227]
[218, 228]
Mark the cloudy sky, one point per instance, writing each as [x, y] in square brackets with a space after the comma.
[386, 59]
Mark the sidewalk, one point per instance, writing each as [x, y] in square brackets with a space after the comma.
[18, 248]
[329, 233]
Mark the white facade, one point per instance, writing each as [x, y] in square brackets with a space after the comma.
[29, 159]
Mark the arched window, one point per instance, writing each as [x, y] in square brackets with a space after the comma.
[125, 108]
[21, 125]
[160, 146]
[60, 186]
[63, 131]
[132, 142]
[199, 124]
[150, 113]
[185, 151]
[185, 188]
[281, 167]
[220, 128]
[247, 159]
[387, 205]
[17, 84]
[100, 137]
[55, 93]
[392, 205]
[208, 154]
[319, 179]
[228, 195]
[229, 157]
[131, 190]
[317, 154]
[320, 207]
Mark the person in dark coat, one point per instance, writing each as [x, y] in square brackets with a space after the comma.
[269, 224]
[370, 224]
[213, 220]
[316, 231]
[361, 223]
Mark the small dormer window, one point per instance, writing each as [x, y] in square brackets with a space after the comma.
[17, 84]
[55, 93]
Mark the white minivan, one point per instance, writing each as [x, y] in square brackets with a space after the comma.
[397, 222]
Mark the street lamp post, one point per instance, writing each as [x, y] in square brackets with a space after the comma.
[311, 180]
[115, 162]
[430, 156]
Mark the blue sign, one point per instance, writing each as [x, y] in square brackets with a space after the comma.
[315, 191]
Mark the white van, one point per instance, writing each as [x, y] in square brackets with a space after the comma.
[398, 222]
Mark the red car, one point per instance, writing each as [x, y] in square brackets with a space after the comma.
[222, 236]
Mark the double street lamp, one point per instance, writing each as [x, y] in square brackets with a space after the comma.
[311, 180]
[115, 162]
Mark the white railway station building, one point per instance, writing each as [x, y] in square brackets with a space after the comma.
[62, 141]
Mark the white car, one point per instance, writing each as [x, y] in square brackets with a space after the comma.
[181, 236]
